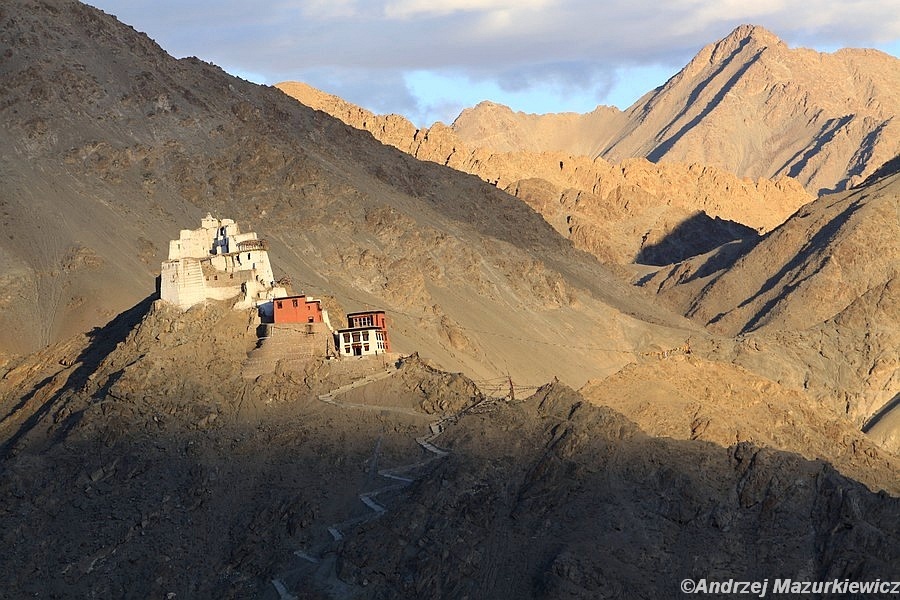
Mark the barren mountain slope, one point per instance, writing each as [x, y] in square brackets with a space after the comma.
[747, 104]
[633, 211]
[817, 301]
[113, 147]
[536, 499]
[687, 397]
[141, 464]
[825, 257]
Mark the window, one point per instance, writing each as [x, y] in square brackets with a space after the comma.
[361, 321]
[355, 336]
[347, 340]
[295, 302]
[346, 349]
[278, 304]
[366, 347]
[365, 336]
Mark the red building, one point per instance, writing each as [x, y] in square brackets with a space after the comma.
[297, 309]
[367, 334]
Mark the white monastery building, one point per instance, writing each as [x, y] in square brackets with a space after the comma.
[217, 262]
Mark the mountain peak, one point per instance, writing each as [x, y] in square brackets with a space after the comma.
[756, 33]
[749, 37]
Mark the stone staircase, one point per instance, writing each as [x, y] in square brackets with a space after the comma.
[293, 345]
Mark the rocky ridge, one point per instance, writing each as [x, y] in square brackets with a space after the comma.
[156, 468]
[631, 211]
[821, 287]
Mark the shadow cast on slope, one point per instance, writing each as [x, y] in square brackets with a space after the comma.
[102, 341]
[696, 235]
[657, 153]
[816, 243]
[881, 413]
[157, 512]
[801, 158]
[586, 478]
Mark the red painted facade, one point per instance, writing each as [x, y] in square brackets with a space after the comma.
[371, 318]
[297, 309]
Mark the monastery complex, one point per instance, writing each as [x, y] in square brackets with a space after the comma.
[218, 262]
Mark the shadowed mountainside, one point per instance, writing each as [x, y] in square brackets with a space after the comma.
[165, 472]
[137, 460]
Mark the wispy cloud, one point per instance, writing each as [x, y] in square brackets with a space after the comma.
[406, 9]
[329, 9]
[561, 50]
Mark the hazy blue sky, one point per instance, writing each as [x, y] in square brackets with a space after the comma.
[428, 59]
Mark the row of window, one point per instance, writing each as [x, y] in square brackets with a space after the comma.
[363, 336]
[294, 302]
[365, 348]
[365, 321]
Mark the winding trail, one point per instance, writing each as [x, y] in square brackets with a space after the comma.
[400, 477]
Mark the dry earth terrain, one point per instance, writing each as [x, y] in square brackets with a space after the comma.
[114, 146]
[716, 431]
[137, 462]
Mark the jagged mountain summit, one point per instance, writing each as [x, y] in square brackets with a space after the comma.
[747, 104]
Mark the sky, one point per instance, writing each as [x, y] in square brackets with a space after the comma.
[429, 59]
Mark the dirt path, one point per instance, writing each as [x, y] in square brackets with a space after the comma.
[319, 562]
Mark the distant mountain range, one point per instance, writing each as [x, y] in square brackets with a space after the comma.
[747, 104]
[633, 211]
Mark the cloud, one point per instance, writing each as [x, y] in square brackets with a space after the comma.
[556, 49]
[329, 9]
[383, 92]
[406, 9]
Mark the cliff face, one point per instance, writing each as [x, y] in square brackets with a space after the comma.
[632, 211]
[747, 104]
